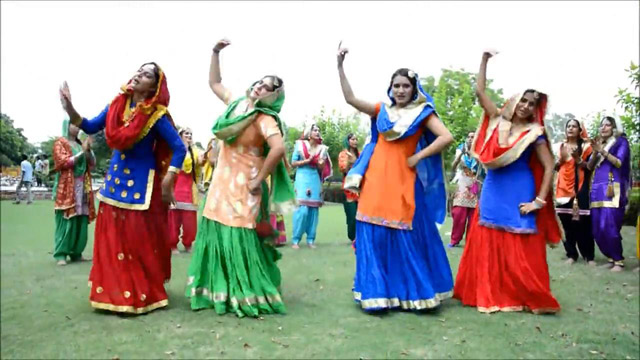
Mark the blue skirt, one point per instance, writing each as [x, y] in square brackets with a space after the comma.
[395, 268]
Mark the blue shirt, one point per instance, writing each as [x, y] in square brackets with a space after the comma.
[27, 170]
[129, 180]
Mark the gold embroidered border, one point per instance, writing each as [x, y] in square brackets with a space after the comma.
[404, 304]
[613, 203]
[128, 308]
[514, 153]
[493, 309]
[223, 297]
[161, 110]
[147, 199]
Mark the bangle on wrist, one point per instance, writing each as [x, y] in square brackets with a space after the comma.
[540, 201]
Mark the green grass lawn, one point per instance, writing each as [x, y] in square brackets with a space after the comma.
[45, 311]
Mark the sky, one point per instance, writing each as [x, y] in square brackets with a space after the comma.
[574, 51]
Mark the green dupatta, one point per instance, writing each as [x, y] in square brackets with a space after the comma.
[230, 125]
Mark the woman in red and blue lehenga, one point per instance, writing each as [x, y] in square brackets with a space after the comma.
[131, 256]
[504, 264]
[400, 259]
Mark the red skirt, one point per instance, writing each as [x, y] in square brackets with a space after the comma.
[131, 258]
[502, 271]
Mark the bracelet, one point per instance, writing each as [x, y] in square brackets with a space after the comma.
[540, 201]
[216, 52]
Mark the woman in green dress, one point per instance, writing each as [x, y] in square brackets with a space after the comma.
[233, 267]
[73, 196]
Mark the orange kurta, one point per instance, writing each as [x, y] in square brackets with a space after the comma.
[229, 201]
[382, 202]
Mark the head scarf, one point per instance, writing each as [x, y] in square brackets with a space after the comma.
[125, 127]
[618, 131]
[230, 125]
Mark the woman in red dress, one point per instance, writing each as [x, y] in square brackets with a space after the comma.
[131, 257]
[504, 265]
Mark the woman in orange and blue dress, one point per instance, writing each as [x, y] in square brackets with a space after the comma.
[131, 256]
[400, 259]
[504, 263]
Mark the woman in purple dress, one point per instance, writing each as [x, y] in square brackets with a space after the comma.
[611, 160]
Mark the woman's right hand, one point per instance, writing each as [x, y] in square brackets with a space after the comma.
[65, 97]
[221, 44]
[488, 54]
[342, 52]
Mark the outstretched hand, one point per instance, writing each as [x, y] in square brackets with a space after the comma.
[65, 97]
[342, 52]
[221, 44]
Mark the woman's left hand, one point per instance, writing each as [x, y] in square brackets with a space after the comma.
[167, 189]
[255, 187]
[526, 208]
[412, 161]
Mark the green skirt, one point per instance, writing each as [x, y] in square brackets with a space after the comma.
[232, 270]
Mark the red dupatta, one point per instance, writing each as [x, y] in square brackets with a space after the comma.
[487, 149]
[125, 127]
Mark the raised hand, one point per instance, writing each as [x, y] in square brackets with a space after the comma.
[596, 143]
[65, 97]
[342, 52]
[489, 53]
[86, 144]
[221, 44]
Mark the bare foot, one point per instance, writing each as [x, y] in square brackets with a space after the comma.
[295, 246]
[175, 251]
[616, 268]
[569, 261]
[591, 263]
[311, 246]
[61, 263]
[608, 265]
[188, 251]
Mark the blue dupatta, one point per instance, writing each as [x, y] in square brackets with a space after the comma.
[407, 121]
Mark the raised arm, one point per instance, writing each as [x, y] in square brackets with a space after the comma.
[360, 105]
[215, 81]
[481, 86]
[89, 126]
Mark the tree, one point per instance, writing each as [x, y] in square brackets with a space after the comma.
[630, 103]
[555, 126]
[457, 105]
[13, 144]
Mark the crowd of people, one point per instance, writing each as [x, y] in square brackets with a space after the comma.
[395, 189]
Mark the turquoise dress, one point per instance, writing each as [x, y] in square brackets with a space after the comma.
[308, 189]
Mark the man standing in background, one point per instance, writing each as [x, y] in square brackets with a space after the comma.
[26, 178]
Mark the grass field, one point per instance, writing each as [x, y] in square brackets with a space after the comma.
[45, 311]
